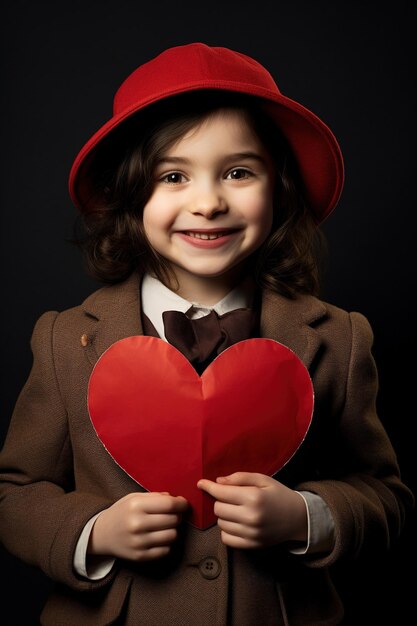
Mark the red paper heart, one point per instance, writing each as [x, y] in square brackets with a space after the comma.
[167, 427]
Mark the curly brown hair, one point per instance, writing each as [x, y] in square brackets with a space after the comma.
[111, 232]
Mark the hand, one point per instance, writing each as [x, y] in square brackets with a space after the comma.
[255, 511]
[139, 527]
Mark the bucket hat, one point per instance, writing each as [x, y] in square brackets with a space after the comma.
[197, 66]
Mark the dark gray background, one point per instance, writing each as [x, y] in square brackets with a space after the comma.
[350, 62]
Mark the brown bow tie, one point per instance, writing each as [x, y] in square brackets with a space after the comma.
[202, 339]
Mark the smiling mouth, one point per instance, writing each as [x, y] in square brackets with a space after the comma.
[208, 236]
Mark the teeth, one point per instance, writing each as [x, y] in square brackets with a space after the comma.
[205, 235]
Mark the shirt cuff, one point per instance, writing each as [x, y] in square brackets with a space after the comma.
[98, 566]
[320, 525]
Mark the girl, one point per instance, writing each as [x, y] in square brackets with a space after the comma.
[201, 196]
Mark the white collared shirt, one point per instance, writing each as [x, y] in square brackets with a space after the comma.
[156, 299]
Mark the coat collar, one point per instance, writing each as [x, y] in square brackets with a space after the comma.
[113, 313]
[292, 322]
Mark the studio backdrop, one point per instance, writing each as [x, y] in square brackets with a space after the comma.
[352, 63]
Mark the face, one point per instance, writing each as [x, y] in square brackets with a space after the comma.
[212, 201]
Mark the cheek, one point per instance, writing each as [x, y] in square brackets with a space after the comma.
[147, 225]
[155, 221]
[161, 211]
[147, 217]
[259, 213]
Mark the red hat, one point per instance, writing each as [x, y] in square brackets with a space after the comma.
[197, 66]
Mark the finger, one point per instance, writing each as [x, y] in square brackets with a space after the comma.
[158, 521]
[237, 530]
[152, 554]
[165, 504]
[154, 494]
[224, 493]
[238, 542]
[228, 512]
[157, 538]
[248, 479]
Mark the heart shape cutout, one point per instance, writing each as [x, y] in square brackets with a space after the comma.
[167, 427]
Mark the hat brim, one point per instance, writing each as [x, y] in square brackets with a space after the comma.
[314, 146]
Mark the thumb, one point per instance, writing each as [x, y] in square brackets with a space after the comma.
[247, 479]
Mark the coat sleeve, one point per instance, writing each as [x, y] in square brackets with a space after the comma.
[41, 515]
[366, 497]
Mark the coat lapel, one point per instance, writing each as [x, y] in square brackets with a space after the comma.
[111, 314]
[290, 321]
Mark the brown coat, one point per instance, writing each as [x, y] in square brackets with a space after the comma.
[55, 475]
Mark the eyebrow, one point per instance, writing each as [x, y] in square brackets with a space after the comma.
[237, 156]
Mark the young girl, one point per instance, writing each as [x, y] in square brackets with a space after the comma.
[201, 196]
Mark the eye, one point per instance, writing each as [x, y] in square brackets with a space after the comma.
[238, 173]
[173, 178]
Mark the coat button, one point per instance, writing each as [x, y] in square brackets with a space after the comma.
[84, 340]
[209, 567]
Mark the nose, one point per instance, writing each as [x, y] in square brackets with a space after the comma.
[209, 201]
